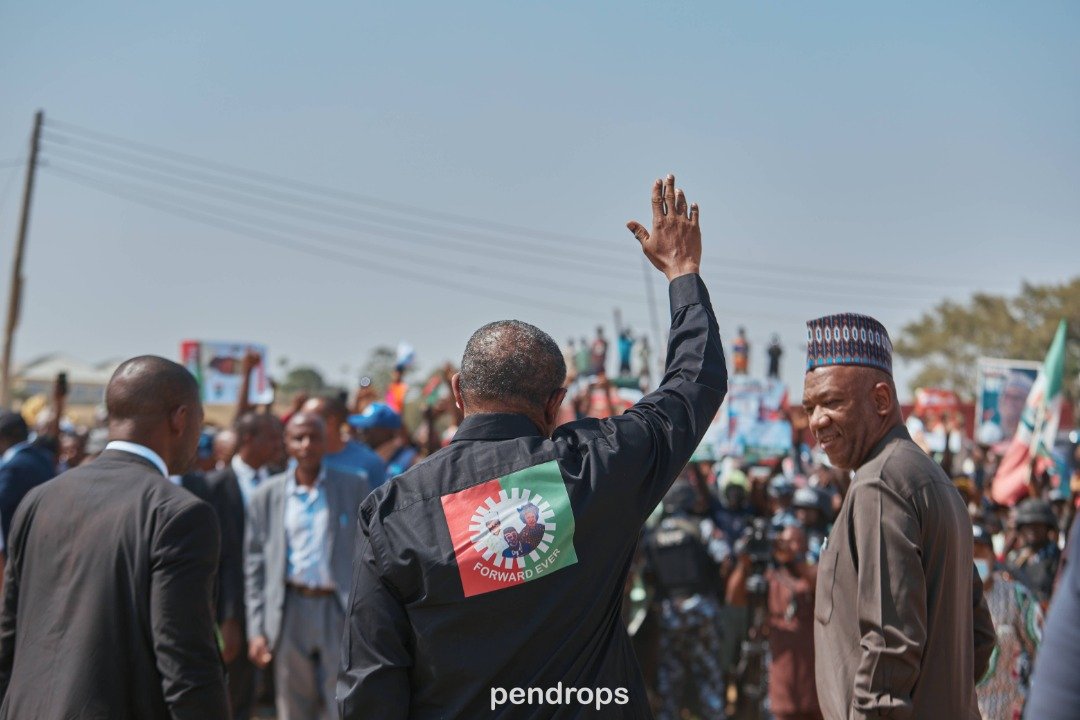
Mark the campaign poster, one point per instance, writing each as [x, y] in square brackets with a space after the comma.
[752, 422]
[218, 367]
[1002, 387]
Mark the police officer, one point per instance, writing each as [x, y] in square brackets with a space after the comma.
[684, 553]
[545, 623]
[1035, 561]
[810, 514]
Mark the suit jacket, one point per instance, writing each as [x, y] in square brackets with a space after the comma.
[225, 496]
[27, 469]
[267, 547]
[107, 604]
[901, 626]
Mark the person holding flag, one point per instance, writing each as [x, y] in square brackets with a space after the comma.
[1029, 453]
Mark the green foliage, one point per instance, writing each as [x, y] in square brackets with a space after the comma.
[948, 340]
[380, 366]
[303, 379]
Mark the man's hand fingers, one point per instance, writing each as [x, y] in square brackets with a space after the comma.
[694, 214]
[669, 194]
[680, 203]
[639, 231]
[657, 203]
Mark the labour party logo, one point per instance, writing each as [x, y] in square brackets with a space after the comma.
[512, 529]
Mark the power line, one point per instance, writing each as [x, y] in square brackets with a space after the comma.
[341, 217]
[741, 281]
[339, 241]
[273, 238]
[577, 242]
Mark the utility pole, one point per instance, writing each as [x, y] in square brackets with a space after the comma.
[15, 295]
[659, 345]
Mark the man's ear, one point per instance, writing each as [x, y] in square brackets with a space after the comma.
[883, 399]
[551, 408]
[455, 386]
[178, 419]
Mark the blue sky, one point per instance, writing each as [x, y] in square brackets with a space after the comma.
[896, 155]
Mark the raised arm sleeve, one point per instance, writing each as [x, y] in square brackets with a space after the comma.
[651, 442]
[184, 559]
[376, 651]
[891, 602]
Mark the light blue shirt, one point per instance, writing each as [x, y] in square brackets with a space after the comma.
[358, 459]
[140, 450]
[247, 477]
[307, 533]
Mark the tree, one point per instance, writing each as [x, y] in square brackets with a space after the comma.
[303, 379]
[380, 366]
[948, 340]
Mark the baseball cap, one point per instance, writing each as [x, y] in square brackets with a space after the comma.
[376, 415]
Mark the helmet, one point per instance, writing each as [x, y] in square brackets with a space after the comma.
[807, 498]
[1035, 512]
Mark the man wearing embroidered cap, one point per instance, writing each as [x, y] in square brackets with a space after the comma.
[901, 627]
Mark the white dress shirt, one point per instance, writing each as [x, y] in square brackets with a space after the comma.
[140, 450]
[247, 477]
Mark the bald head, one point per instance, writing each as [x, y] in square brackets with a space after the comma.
[155, 402]
[511, 364]
[148, 388]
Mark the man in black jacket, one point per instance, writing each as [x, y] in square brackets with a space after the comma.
[542, 629]
[107, 604]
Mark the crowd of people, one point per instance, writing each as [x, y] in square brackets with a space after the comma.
[338, 558]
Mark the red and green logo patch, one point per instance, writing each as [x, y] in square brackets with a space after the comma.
[511, 530]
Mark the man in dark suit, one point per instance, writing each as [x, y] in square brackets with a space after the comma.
[107, 606]
[257, 440]
[23, 466]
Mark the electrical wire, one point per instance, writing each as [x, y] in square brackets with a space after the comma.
[219, 194]
[239, 227]
[576, 242]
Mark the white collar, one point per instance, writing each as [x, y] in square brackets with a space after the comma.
[140, 450]
[242, 469]
[13, 450]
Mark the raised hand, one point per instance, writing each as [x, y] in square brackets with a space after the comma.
[674, 245]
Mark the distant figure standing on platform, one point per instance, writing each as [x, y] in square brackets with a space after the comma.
[598, 352]
[584, 360]
[775, 351]
[108, 599]
[740, 353]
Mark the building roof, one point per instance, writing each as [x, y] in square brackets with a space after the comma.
[46, 368]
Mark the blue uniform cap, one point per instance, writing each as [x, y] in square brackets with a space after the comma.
[376, 415]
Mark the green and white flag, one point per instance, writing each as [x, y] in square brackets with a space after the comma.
[1038, 426]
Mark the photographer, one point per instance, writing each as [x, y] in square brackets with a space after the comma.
[788, 622]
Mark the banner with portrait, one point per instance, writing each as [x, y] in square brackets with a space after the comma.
[218, 366]
[1002, 387]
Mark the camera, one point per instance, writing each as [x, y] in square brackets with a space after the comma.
[759, 538]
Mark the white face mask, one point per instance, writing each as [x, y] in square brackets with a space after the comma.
[983, 566]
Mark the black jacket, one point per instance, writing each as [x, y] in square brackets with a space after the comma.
[107, 606]
[27, 469]
[444, 612]
[225, 496]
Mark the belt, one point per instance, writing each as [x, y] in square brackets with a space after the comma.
[306, 591]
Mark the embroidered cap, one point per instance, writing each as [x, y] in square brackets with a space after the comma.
[848, 339]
